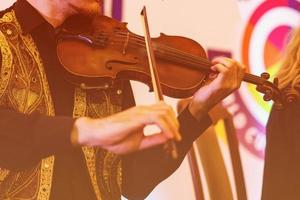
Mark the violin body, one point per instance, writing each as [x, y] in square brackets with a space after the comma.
[107, 52]
[110, 52]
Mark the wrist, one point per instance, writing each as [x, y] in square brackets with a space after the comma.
[198, 110]
[78, 136]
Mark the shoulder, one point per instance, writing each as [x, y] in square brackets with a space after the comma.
[289, 109]
[286, 118]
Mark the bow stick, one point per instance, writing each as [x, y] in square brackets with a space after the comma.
[170, 145]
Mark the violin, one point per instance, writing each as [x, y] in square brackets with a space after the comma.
[107, 52]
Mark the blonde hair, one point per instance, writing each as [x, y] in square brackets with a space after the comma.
[289, 73]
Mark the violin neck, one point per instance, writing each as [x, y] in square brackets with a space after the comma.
[253, 79]
[205, 64]
[249, 78]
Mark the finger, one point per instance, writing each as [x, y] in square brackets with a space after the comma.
[235, 66]
[173, 117]
[163, 116]
[129, 144]
[219, 59]
[150, 115]
[169, 116]
[155, 118]
[153, 140]
[213, 75]
[219, 68]
[168, 127]
[224, 60]
[137, 142]
[234, 72]
[169, 109]
[230, 64]
[242, 70]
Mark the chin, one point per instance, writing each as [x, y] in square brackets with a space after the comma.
[92, 9]
[89, 9]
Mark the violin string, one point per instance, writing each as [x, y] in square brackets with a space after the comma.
[175, 53]
[197, 59]
[248, 77]
[173, 50]
[138, 41]
[165, 48]
[173, 57]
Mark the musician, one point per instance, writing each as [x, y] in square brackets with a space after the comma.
[282, 163]
[58, 141]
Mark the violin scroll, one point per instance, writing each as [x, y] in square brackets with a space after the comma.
[271, 91]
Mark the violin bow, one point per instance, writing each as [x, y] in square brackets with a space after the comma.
[170, 145]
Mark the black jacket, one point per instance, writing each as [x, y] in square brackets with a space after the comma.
[282, 160]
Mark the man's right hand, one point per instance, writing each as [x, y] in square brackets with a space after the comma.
[122, 133]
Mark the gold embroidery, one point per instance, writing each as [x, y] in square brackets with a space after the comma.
[119, 174]
[46, 178]
[107, 165]
[3, 174]
[28, 41]
[90, 158]
[6, 68]
[48, 163]
[21, 96]
[89, 154]
[80, 103]
[20, 60]
[104, 167]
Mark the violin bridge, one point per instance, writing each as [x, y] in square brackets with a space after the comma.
[126, 43]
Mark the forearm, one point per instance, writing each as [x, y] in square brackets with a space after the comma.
[142, 171]
[26, 139]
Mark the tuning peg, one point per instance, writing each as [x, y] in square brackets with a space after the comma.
[276, 81]
[259, 88]
[265, 75]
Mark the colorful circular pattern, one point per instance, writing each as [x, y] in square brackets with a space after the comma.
[263, 42]
[274, 48]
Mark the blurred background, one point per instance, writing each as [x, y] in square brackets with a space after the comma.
[252, 31]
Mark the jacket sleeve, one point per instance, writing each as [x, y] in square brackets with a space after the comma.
[142, 171]
[26, 139]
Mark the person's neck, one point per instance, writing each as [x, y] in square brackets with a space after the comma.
[53, 11]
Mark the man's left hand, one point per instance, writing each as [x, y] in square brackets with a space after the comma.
[228, 77]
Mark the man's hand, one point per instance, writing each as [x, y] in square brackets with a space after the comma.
[229, 77]
[123, 132]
